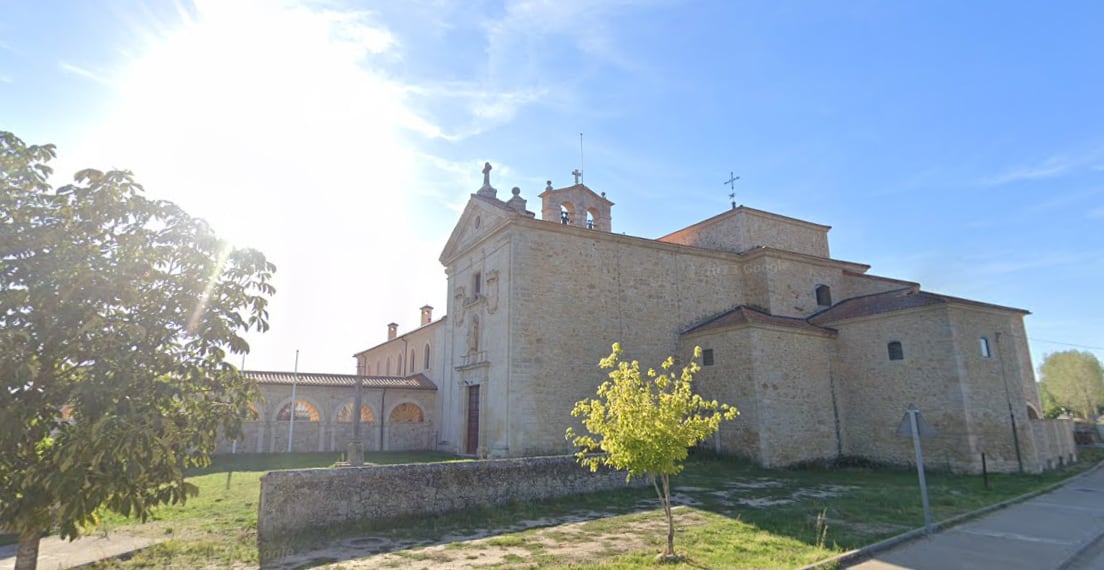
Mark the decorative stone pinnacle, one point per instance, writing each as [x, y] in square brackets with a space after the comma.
[549, 185]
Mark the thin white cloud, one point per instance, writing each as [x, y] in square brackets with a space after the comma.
[480, 108]
[1055, 166]
[82, 72]
[519, 72]
[1049, 168]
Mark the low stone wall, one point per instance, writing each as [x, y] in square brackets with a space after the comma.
[294, 501]
[1054, 442]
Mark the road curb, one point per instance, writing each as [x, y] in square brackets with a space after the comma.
[868, 551]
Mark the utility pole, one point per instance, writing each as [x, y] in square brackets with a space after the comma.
[294, 381]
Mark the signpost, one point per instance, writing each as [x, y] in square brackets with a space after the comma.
[915, 425]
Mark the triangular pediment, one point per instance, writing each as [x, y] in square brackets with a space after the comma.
[480, 218]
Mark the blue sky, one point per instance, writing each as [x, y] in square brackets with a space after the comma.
[959, 144]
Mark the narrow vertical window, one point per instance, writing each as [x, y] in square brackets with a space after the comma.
[411, 369]
[426, 366]
[707, 357]
[984, 343]
[824, 295]
[896, 351]
[477, 283]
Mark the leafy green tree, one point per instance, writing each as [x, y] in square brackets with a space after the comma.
[116, 316]
[645, 425]
[1051, 409]
[1074, 380]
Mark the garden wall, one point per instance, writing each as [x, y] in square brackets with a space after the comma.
[293, 502]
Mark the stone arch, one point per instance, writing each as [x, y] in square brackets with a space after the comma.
[344, 413]
[567, 213]
[1033, 412]
[306, 410]
[406, 412]
[592, 215]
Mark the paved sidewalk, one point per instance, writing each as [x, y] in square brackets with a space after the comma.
[1062, 529]
[55, 553]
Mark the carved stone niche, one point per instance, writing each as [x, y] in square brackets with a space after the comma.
[492, 291]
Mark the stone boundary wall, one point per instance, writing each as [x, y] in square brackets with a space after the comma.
[295, 501]
[1054, 441]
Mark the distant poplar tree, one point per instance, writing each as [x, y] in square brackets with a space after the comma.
[1075, 381]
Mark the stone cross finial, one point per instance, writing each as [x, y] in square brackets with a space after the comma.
[576, 173]
[487, 190]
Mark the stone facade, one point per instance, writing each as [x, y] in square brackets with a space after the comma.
[314, 499]
[821, 357]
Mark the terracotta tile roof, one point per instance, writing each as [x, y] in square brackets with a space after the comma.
[749, 315]
[415, 382]
[895, 300]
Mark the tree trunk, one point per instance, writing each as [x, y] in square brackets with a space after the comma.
[26, 558]
[664, 495]
[670, 516]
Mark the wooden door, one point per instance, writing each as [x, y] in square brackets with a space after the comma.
[472, 446]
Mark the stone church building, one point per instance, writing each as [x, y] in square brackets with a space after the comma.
[821, 357]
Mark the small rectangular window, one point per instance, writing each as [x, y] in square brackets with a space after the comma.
[984, 342]
[707, 357]
[896, 351]
[477, 283]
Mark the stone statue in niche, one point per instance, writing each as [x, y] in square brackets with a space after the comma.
[473, 335]
[492, 291]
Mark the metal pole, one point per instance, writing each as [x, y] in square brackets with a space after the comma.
[1008, 399]
[912, 411]
[294, 381]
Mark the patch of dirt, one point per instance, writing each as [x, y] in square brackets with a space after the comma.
[566, 542]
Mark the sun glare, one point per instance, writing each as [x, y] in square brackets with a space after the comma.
[262, 117]
[271, 121]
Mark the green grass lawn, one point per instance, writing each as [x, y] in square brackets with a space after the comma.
[219, 526]
[800, 520]
[736, 515]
